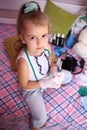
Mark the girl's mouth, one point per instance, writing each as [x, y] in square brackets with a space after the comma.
[40, 48]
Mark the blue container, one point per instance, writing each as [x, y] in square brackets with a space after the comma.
[70, 41]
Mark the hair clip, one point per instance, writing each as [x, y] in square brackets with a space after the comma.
[30, 7]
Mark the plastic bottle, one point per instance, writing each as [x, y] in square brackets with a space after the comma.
[70, 41]
[54, 39]
[59, 65]
[62, 40]
[58, 38]
[50, 38]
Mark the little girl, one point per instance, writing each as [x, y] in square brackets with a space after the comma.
[34, 61]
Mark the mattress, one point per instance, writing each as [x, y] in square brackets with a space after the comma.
[64, 108]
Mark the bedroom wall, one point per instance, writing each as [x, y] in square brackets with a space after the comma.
[9, 8]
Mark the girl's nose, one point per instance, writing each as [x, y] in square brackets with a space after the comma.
[39, 41]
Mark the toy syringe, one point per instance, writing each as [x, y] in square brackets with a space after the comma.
[59, 68]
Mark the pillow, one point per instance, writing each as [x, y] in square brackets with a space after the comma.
[12, 52]
[61, 20]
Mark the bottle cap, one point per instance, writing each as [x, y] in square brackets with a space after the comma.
[63, 36]
[58, 35]
[54, 37]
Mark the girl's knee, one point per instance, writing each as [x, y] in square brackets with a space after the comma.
[67, 77]
[40, 121]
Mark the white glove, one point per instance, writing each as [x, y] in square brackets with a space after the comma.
[53, 71]
[52, 80]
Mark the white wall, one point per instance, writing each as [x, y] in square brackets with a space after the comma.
[9, 8]
[15, 4]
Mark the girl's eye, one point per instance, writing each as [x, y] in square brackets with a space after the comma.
[32, 38]
[44, 36]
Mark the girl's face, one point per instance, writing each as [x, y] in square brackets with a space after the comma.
[36, 38]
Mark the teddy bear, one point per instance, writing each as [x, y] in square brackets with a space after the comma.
[80, 47]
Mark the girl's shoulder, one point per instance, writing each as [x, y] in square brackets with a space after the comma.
[48, 50]
[21, 55]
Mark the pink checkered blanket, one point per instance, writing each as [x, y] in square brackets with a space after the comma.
[64, 108]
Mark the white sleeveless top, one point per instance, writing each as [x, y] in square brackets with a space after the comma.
[39, 65]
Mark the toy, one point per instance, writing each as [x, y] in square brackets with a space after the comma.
[80, 48]
[70, 40]
[58, 50]
[83, 91]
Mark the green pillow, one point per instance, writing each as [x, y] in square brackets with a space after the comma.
[61, 20]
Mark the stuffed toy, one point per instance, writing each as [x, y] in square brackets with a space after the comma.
[83, 92]
[80, 47]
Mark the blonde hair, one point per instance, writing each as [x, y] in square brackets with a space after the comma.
[35, 16]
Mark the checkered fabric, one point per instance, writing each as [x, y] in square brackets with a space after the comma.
[64, 108]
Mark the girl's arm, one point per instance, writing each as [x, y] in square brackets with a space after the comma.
[23, 75]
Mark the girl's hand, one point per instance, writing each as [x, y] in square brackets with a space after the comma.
[52, 80]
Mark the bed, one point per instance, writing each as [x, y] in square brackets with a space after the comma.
[64, 108]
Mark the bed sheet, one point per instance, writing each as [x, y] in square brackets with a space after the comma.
[64, 108]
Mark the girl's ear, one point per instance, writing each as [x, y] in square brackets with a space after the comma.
[22, 38]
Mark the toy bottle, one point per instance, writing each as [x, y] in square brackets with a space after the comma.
[59, 65]
[54, 40]
[70, 40]
[58, 38]
[62, 40]
[50, 38]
